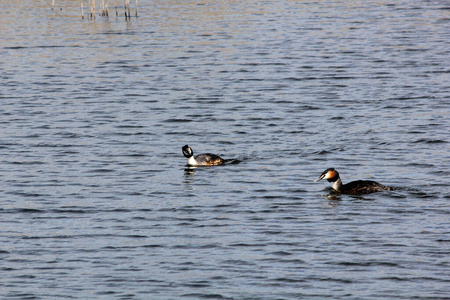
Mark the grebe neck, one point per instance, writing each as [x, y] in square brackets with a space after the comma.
[337, 185]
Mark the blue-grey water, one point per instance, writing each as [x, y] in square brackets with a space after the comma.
[96, 200]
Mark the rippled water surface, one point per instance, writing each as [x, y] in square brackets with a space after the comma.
[96, 198]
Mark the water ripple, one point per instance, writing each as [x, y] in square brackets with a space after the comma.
[97, 200]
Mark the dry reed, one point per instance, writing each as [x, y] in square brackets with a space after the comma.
[103, 10]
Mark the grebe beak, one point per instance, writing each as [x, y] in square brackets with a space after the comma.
[320, 178]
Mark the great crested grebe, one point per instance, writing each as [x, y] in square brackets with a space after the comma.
[355, 187]
[205, 159]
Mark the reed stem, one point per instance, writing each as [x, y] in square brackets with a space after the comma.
[136, 8]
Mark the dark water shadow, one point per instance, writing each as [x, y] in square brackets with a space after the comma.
[233, 161]
[335, 197]
[397, 192]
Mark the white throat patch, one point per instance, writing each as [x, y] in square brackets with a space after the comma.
[192, 161]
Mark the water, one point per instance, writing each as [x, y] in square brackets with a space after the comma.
[96, 199]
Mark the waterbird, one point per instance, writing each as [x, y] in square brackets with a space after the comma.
[357, 187]
[205, 159]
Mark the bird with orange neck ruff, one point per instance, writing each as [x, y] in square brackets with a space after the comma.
[353, 188]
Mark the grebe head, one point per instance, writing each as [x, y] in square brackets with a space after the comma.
[187, 151]
[329, 174]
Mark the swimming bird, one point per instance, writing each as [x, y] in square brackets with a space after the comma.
[205, 159]
[355, 187]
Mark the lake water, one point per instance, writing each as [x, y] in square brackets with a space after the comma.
[96, 198]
